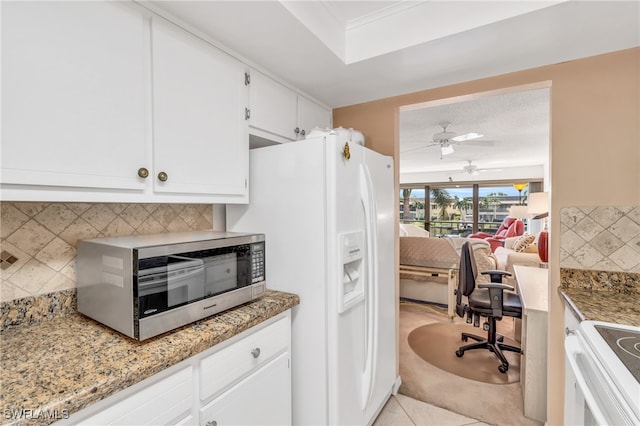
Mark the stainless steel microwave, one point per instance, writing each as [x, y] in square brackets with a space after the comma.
[145, 285]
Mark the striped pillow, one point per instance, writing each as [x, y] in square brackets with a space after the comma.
[523, 242]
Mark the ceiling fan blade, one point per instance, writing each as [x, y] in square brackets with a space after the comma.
[427, 145]
[467, 137]
[473, 143]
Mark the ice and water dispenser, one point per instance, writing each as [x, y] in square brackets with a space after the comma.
[352, 253]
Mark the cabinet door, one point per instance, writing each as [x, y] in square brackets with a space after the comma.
[156, 403]
[74, 99]
[273, 107]
[199, 96]
[311, 115]
[263, 398]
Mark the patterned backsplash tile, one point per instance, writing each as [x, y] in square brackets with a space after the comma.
[38, 240]
[600, 238]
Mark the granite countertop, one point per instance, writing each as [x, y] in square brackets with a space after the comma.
[602, 296]
[69, 362]
[605, 306]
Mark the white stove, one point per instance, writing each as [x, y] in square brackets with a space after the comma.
[603, 374]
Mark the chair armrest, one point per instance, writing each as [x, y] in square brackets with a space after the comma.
[496, 291]
[495, 242]
[496, 275]
[496, 285]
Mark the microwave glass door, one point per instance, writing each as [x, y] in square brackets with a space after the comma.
[165, 282]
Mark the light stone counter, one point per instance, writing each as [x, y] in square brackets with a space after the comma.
[58, 366]
[602, 295]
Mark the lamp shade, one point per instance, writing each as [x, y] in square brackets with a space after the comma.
[520, 186]
[538, 203]
[519, 212]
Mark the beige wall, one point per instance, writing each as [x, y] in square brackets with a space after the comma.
[594, 158]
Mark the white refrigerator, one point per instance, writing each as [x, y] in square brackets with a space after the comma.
[325, 206]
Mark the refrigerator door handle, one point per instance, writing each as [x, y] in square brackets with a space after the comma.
[371, 294]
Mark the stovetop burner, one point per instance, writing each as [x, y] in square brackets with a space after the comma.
[625, 344]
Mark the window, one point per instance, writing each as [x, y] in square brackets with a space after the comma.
[452, 209]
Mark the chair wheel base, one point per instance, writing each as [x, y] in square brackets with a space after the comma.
[459, 353]
[503, 368]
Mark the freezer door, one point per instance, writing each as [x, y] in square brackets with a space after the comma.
[380, 172]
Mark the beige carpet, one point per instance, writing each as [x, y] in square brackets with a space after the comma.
[490, 403]
[437, 343]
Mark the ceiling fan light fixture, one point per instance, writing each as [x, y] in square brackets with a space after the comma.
[446, 149]
[467, 137]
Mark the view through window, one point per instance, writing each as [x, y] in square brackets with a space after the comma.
[450, 211]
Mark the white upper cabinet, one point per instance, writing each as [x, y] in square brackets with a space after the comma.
[272, 107]
[279, 113]
[74, 108]
[311, 115]
[104, 101]
[199, 128]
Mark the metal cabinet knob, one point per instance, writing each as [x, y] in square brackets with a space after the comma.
[296, 130]
[255, 352]
[211, 423]
[143, 173]
[162, 177]
[303, 132]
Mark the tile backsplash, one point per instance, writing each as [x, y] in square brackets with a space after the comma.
[600, 238]
[38, 240]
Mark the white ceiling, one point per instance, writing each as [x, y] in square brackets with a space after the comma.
[347, 52]
[515, 144]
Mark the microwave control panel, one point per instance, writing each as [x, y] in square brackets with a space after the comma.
[257, 262]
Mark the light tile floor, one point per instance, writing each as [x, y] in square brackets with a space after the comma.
[401, 410]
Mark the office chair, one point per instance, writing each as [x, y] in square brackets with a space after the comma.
[486, 300]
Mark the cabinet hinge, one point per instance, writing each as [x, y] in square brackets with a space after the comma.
[247, 113]
[245, 183]
[247, 79]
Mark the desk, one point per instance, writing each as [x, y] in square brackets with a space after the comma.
[428, 268]
[533, 287]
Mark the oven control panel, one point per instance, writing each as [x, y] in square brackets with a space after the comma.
[257, 262]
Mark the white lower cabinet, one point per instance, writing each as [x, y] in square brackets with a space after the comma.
[165, 400]
[245, 380]
[263, 398]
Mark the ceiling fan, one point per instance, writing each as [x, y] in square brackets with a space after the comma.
[473, 170]
[446, 139]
